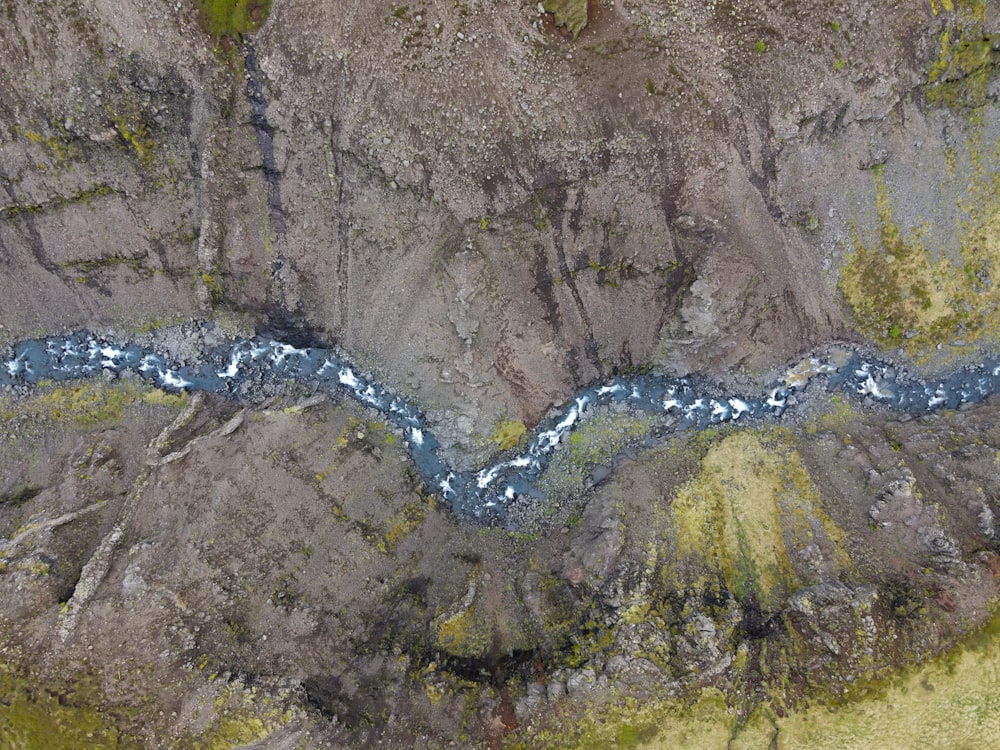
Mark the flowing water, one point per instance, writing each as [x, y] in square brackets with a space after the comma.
[682, 403]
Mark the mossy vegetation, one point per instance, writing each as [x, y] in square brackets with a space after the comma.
[368, 435]
[34, 714]
[138, 326]
[960, 76]
[569, 13]
[902, 292]
[232, 19]
[975, 9]
[465, 632]
[216, 294]
[596, 441]
[951, 701]
[402, 523]
[60, 147]
[702, 722]
[235, 731]
[87, 404]
[836, 418]
[902, 295]
[57, 202]
[508, 434]
[136, 136]
[746, 514]
[241, 716]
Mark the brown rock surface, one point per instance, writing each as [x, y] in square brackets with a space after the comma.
[488, 213]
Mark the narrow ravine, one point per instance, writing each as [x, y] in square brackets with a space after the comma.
[486, 495]
[265, 139]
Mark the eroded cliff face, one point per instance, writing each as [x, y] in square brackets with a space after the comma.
[488, 211]
[186, 572]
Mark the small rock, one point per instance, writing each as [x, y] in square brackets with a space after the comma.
[599, 473]
[581, 680]
[556, 690]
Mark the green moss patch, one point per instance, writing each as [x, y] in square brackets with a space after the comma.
[87, 404]
[569, 13]
[902, 292]
[508, 434]
[745, 515]
[902, 295]
[57, 202]
[232, 18]
[960, 75]
[629, 723]
[952, 701]
[596, 441]
[465, 631]
[34, 715]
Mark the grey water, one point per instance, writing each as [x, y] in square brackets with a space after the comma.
[487, 494]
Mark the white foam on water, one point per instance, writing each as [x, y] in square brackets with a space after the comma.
[940, 397]
[346, 377]
[549, 439]
[171, 378]
[235, 360]
[872, 388]
[17, 364]
[82, 356]
[281, 352]
[699, 403]
[605, 390]
[774, 401]
[739, 406]
[485, 477]
[719, 410]
[146, 365]
[569, 421]
[445, 485]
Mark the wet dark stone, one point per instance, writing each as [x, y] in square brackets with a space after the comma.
[253, 369]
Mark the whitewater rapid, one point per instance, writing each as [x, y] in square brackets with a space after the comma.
[487, 494]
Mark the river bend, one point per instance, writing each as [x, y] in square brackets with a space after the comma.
[487, 494]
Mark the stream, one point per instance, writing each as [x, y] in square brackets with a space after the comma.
[487, 494]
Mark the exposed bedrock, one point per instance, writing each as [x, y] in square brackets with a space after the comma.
[488, 213]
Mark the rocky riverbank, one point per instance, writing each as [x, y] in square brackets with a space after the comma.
[493, 207]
